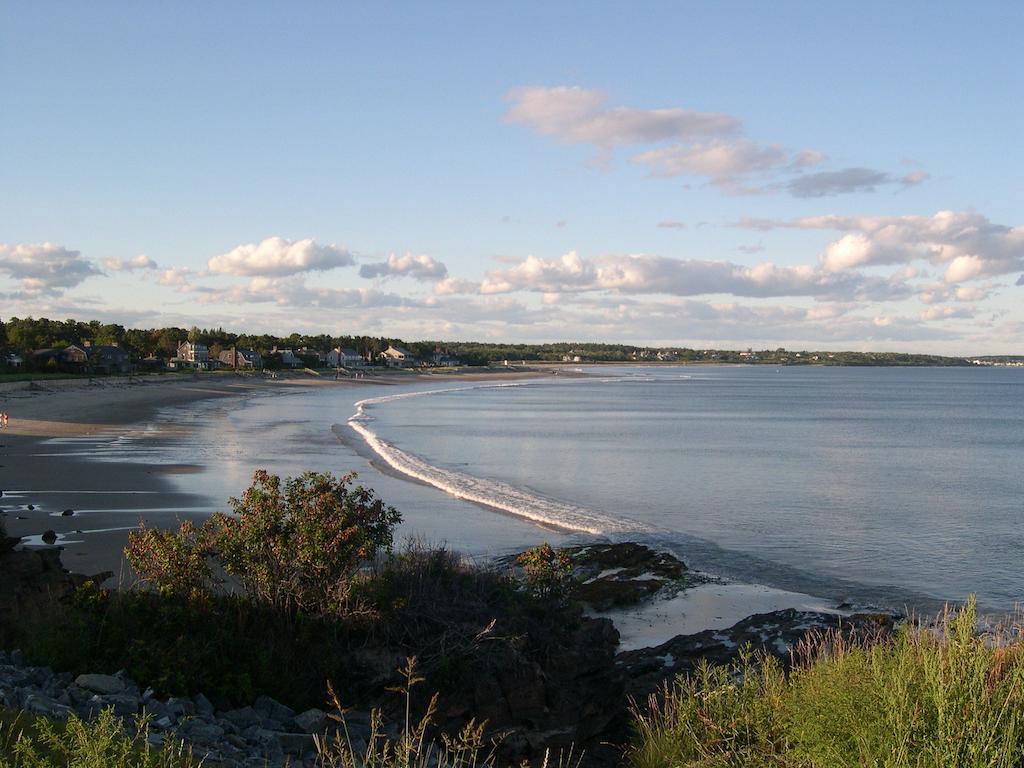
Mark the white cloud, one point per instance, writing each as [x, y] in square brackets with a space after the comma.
[277, 257]
[580, 116]
[130, 265]
[177, 277]
[295, 292]
[720, 160]
[420, 267]
[648, 274]
[967, 243]
[44, 268]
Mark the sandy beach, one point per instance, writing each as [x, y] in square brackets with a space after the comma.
[54, 477]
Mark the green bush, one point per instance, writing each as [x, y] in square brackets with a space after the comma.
[924, 699]
[294, 549]
[38, 742]
[547, 572]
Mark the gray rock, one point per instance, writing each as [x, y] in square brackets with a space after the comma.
[180, 707]
[295, 743]
[197, 730]
[243, 717]
[312, 721]
[16, 658]
[38, 704]
[203, 706]
[102, 684]
[272, 709]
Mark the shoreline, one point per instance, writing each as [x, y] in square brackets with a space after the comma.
[48, 458]
[52, 453]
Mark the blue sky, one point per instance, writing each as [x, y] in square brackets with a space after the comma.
[727, 174]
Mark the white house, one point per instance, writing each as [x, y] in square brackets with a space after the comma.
[397, 357]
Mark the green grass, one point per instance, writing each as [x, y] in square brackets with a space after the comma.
[923, 699]
[39, 376]
[28, 741]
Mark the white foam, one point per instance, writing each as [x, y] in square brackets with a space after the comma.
[490, 493]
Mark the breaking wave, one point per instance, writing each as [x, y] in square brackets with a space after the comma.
[490, 493]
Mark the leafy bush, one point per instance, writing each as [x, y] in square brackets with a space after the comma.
[175, 563]
[547, 571]
[300, 548]
[295, 548]
[924, 699]
[37, 742]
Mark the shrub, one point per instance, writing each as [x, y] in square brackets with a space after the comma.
[547, 571]
[923, 699]
[37, 742]
[175, 563]
[299, 548]
[295, 548]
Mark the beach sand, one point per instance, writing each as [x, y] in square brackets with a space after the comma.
[51, 454]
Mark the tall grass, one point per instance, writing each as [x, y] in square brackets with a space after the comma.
[926, 698]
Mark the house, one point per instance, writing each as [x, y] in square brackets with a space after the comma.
[667, 356]
[191, 355]
[397, 357]
[109, 358]
[345, 357]
[444, 360]
[313, 356]
[288, 358]
[242, 358]
[11, 360]
[193, 352]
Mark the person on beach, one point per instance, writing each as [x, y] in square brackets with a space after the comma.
[4, 419]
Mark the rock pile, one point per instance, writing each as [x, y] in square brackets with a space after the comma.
[267, 733]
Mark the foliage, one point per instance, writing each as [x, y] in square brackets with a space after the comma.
[547, 571]
[173, 562]
[924, 699]
[295, 548]
[422, 600]
[38, 742]
[299, 548]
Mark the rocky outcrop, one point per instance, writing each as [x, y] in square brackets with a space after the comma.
[30, 581]
[776, 634]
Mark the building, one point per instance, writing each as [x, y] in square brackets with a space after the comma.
[345, 357]
[397, 357]
[444, 360]
[12, 361]
[109, 358]
[242, 358]
[288, 358]
[193, 353]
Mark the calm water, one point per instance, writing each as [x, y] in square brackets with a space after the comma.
[890, 485]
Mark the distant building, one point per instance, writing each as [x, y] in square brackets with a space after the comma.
[288, 358]
[314, 354]
[444, 360]
[193, 352]
[345, 357]
[191, 355]
[397, 357]
[241, 358]
[109, 358]
[12, 360]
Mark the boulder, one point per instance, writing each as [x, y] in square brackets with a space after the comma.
[101, 684]
[312, 721]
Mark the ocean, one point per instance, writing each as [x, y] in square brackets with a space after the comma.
[894, 487]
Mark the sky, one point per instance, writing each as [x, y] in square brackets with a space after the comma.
[807, 175]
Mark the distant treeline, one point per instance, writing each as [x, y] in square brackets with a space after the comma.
[26, 334]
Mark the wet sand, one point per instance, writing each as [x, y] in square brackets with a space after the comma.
[51, 454]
